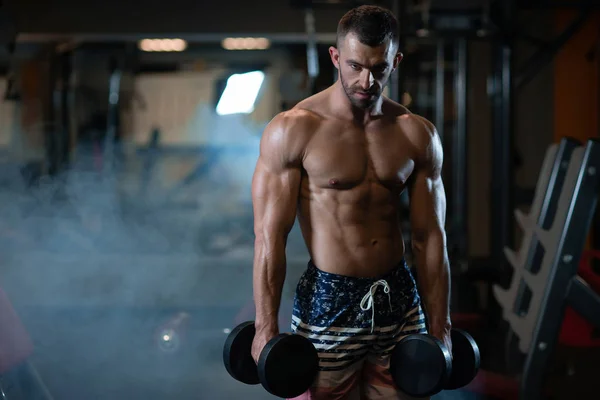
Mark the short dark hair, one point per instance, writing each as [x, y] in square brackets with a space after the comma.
[373, 25]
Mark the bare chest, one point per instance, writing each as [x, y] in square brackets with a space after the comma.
[344, 157]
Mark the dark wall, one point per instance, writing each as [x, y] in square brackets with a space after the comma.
[533, 128]
[534, 104]
[479, 158]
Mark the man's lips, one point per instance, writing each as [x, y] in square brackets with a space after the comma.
[364, 95]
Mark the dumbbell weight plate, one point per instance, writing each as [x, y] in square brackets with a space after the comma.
[237, 355]
[288, 365]
[466, 359]
[420, 365]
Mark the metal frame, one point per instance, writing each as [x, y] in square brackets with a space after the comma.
[394, 83]
[552, 195]
[564, 287]
[460, 151]
[112, 118]
[440, 86]
[545, 218]
[312, 55]
[275, 38]
[56, 132]
[581, 297]
[62, 103]
[502, 190]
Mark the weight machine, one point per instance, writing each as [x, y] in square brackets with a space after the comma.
[545, 278]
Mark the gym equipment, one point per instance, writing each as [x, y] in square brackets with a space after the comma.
[520, 305]
[545, 279]
[421, 365]
[286, 368]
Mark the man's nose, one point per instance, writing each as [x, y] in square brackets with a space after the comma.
[366, 79]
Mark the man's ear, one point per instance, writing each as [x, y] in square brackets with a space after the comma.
[398, 59]
[335, 56]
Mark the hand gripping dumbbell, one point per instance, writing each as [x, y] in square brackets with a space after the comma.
[422, 366]
[287, 366]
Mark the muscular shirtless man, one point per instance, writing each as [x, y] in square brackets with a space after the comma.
[340, 160]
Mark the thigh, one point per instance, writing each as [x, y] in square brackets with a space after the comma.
[377, 383]
[329, 320]
[342, 352]
[413, 322]
[377, 380]
[338, 384]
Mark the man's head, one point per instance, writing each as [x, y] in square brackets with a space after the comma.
[366, 53]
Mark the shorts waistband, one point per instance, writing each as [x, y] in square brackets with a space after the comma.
[331, 277]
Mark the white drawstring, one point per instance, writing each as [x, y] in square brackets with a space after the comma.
[368, 299]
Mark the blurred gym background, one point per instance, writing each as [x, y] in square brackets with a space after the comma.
[128, 137]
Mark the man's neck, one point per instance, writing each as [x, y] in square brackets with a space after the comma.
[342, 103]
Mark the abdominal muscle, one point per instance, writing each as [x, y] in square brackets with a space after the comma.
[349, 235]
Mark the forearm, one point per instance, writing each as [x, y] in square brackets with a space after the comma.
[268, 279]
[433, 274]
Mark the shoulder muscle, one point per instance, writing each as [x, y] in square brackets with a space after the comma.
[424, 137]
[284, 139]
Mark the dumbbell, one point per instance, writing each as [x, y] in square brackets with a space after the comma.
[287, 366]
[421, 365]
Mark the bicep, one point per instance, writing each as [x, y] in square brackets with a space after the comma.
[427, 193]
[427, 203]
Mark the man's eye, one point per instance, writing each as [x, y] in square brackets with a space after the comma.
[354, 67]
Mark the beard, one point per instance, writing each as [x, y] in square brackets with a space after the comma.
[357, 101]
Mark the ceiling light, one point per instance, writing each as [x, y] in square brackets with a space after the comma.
[246, 43]
[162, 45]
